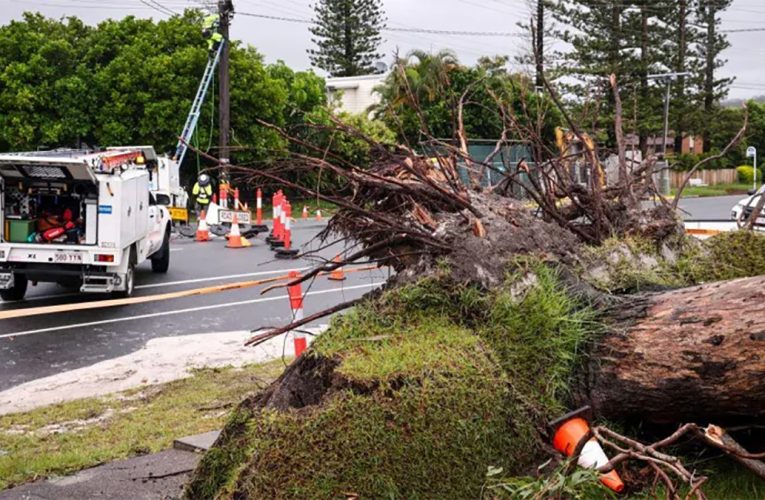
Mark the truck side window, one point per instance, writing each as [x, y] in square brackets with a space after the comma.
[152, 199]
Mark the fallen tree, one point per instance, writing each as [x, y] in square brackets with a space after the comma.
[684, 355]
[494, 324]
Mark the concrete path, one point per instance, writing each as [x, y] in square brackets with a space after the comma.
[149, 477]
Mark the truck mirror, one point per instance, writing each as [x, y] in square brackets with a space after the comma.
[163, 199]
[751, 192]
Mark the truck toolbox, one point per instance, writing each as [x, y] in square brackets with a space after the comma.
[19, 230]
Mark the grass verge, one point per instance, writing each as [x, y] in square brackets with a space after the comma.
[67, 437]
[717, 190]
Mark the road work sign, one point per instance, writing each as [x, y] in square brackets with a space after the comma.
[228, 216]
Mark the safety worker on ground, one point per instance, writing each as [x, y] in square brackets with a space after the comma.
[210, 31]
[202, 192]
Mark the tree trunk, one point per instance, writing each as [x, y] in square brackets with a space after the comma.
[709, 71]
[695, 354]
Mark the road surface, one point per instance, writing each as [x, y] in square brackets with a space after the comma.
[718, 207]
[38, 346]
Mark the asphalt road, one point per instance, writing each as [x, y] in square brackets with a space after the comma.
[718, 207]
[38, 346]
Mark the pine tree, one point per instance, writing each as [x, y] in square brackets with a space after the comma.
[712, 44]
[620, 37]
[347, 36]
[682, 48]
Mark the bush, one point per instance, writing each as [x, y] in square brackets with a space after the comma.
[745, 174]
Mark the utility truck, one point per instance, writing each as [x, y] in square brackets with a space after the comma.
[82, 219]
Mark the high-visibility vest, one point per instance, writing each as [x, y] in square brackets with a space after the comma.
[202, 194]
[210, 21]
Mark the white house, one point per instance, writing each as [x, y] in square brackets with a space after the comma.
[354, 94]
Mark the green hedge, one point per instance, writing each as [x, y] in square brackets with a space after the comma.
[745, 174]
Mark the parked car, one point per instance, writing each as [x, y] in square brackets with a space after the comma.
[743, 209]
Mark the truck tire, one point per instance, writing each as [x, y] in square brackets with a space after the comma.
[17, 291]
[129, 278]
[160, 263]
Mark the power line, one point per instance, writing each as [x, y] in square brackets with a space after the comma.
[392, 29]
[743, 30]
[158, 7]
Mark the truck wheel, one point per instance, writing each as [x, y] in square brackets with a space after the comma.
[161, 263]
[129, 278]
[17, 291]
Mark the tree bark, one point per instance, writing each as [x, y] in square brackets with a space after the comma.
[695, 354]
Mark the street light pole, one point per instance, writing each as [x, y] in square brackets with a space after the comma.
[751, 152]
[662, 165]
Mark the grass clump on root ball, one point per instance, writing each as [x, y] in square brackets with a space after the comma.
[430, 385]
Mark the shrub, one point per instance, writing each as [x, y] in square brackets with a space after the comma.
[745, 174]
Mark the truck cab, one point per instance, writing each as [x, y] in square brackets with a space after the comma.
[82, 219]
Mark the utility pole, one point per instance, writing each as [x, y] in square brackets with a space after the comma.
[225, 9]
[540, 43]
[662, 165]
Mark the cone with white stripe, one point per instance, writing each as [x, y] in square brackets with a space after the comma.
[295, 293]
[235, 237]
[570, 431]
[203, 230]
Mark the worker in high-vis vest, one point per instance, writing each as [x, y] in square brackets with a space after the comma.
[202, 192]
[210, 31]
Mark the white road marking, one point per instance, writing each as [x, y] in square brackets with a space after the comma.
[216, 278]
[182, 311]
[176, 249]
[159, 285]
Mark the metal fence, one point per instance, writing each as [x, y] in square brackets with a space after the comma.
[504, 163]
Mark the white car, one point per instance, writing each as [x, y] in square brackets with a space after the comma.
[743, 209]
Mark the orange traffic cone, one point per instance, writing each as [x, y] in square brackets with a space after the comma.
[337, 274]
[318, 214]
[566, 439]
[305, 211]
[203, 232]
[235, 237]
[295, 293]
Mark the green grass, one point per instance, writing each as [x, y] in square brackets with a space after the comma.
[67, 437]
[435, 382]
[727, 481]
[716, 190]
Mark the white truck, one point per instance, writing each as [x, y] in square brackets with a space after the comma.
[81, 219]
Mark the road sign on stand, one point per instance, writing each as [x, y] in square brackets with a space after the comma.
[242, 217]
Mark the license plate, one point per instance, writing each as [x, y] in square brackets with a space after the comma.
[68, 257]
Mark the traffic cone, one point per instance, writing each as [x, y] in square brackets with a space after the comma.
[295, 293]
[259, 207]
[287, 252]
[203, 231]
[337, 274]
[235, 237]
[305, 211]
[318, 214]
[275, 201]
[278, 242]
[567, 437]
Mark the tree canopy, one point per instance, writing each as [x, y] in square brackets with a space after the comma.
[421, 98]
[347, 36]
[131, 81]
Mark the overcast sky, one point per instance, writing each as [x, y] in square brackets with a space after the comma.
[281, 39]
